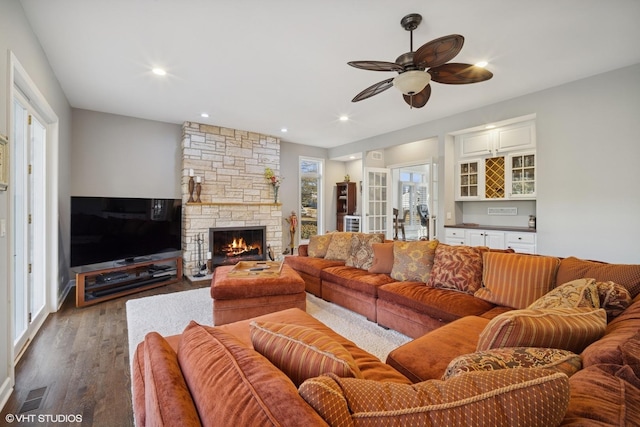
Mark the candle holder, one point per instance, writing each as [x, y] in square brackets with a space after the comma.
[198, 191]
[191, 187]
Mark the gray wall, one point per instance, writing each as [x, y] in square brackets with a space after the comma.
[588, 154]
[16, 36]
[120, 156]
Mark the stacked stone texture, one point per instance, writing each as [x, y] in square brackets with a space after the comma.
[235, 193]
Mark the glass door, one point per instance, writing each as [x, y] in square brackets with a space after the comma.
[376, 203]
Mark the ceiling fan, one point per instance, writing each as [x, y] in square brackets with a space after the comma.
[412, 79]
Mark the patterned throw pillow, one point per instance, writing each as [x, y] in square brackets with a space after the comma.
[361, 253]
[553, 359]
[340, 246]
[302, 352]
[382, 258]
[577, 293]
[516, 280]
[457, 267]
[614, 298]
[570, 329]
[413, 261]
[318, 245]
[530, 396]
[627, 275]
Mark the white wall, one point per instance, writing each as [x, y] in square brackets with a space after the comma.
[588, 136]
[120, 156]
[16, 36]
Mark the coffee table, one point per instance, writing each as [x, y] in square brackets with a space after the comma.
[239, 297]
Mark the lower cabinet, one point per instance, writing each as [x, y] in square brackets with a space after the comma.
[523, 242]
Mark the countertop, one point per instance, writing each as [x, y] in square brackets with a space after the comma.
[492, 227]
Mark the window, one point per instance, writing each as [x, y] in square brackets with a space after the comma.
[311, 184]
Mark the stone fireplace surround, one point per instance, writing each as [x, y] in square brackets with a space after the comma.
[235, 193]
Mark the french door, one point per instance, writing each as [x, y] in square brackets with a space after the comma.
[376, 204]
[28, 205]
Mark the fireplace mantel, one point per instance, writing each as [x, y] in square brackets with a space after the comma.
[233, 204]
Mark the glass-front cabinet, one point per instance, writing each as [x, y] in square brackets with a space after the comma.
[469, 179]
[522, 175]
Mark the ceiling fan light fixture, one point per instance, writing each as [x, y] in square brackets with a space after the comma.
[412, 81]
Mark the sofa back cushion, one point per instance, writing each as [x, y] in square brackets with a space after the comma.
[497, 398]
[516, 280]
[318, 245]
[627, 275]
[167, 398]
[413, 261]
[457, 267]
[570, 329]
[301, 352]
[231, 382]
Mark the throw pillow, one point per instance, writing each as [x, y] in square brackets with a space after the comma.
[577, 293]
[382, 258]
[570, 329]
[318, 245]
[413, 261]
[302, 352]
[552, 359]
[516, 280]
[614, 298]
[457, 267]
[627, 275]
[361, 252]
[339, 246]
[530, 396]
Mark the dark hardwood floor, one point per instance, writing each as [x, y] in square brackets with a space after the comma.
[78, 364]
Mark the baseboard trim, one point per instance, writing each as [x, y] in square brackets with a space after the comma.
[65, 292]
[5, 392]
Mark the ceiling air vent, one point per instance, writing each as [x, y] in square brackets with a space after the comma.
[376, 155]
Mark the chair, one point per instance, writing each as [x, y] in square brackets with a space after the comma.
[398, 223]
[423, 212]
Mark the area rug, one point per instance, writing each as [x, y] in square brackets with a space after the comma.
[169, 314]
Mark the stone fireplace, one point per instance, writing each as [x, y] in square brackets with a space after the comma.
[230, 245]
[234, 192]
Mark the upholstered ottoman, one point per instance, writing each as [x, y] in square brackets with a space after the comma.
[239, 298]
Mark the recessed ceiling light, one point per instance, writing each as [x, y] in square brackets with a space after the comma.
[489, 126]
[283, 130]
[344, 118]
[159, 72]
[205, 115]
[481, 64]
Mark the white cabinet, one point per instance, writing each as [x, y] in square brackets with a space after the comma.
[469, 180]
[489, 238]
[521, 175]
[454, 236]
[503, 139]
[522, 242]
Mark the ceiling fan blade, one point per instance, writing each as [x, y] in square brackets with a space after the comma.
[420, 99]
[459, 74]
[374, 90]
[376, 65]
[438, 52]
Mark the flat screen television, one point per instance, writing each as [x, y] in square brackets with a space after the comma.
[107, 229]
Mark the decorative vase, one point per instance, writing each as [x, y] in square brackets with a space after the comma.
[275, 194]
[192, 184]
[198, 191]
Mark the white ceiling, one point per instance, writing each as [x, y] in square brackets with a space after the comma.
[261, 65]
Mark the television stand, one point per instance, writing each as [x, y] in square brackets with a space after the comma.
[95, 286]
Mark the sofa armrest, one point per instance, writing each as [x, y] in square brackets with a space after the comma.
[303, 250]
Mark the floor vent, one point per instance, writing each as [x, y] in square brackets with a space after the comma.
[34, 399]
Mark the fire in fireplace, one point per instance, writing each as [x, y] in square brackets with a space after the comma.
[231, 245]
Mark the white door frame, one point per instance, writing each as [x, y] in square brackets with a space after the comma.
[18, 76]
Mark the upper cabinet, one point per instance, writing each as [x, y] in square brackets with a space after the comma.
[498, 163]
[491, 142]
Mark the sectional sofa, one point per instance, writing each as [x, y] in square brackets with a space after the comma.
[574, 324]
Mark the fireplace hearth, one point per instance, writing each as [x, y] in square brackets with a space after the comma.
[230, 245]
